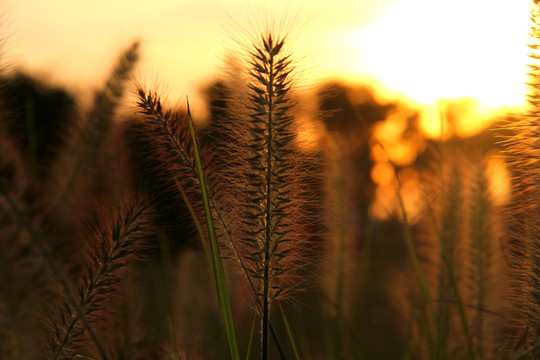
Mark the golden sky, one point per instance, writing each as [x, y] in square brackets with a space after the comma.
[425, 49]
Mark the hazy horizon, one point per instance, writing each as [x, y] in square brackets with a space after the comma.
[419, 50]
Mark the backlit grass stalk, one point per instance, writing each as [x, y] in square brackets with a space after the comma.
[523, 149]
[339, 238]
[425, 296]
[115, 245]
[270, 239]
[76, 165]
[289, 332]
[449, 233]
[453, 283]
[171, 144]
[342, 260]
[39, 243]
[481, 242]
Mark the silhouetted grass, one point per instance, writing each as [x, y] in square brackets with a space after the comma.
[79, 245]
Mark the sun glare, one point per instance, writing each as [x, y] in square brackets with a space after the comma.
[420, 50]
[446, 49]
[427, 50]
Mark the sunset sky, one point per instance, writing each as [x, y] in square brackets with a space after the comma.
[424, 49]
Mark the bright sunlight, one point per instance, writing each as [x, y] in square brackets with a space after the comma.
[431, 49]
[420, 49]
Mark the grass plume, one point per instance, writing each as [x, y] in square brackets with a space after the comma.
[254, 192]
[271, 243]
[116, 243]
[171, 145]
[523, 154]
[79, 159]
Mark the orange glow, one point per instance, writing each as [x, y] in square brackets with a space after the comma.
[462, 117]
[499, 180]
[390, 134]
[309, 134]
[382, 174]
[424, 49]
[386, 202]
[391, 129]
[429, 49]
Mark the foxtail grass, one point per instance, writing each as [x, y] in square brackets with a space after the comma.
[482, 263]
[449, 233]
[34, 213]
[271, 240]
[448, 230]
[523, 152]
[445, 223]
[266, 237]
[345, 258]
[171, 145]
[71, 175]
[38, 242]
[174, 142]
[116, 244]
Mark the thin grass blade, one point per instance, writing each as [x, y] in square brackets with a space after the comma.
[219, 274]
[251, 333]
[289, 333]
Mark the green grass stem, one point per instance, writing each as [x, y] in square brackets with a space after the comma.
[251, 334]
[219, 274]
[195, 221]
[289, 333]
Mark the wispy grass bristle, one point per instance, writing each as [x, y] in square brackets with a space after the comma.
[271, 235]
[116, 243]
[523, 152]
[170, 143]
[286, 212]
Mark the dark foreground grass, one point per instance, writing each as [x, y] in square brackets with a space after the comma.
[277, 225]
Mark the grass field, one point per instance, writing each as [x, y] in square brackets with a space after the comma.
[154, 237]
